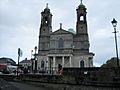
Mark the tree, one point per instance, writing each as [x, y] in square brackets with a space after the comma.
[111, 63]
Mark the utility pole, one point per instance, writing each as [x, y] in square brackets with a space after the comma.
[19, 55]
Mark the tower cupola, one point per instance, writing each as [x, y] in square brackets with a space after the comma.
[81, 12]
[81, 25]
[47, 8]
[46, 21]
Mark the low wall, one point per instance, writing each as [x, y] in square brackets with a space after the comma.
[74, 79]
[8, 77]
[59, 85]
[54, 86]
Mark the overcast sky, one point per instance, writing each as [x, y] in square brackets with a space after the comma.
[20, 22]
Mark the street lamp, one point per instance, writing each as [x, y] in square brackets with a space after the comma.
[35, 59]
[35, 49]
[31, 53]
[114, 23]
[32, 63]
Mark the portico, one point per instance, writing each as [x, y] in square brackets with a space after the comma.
[63, 59]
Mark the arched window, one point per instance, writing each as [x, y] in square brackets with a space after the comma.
[46, 20]
[81, 18]
[82, 64]
[60, 43]
[42, 64]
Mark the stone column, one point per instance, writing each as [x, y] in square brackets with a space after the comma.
[54, 61]
[53, 67]
[63, 61]
[34, 65]
[47, 63]
[70, 61]
[50, 64]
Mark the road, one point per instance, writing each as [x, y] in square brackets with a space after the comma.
[6, 85]
[24, 86]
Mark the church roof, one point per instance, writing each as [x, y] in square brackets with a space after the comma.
[25, 61]
[7, 60]
[61, 31]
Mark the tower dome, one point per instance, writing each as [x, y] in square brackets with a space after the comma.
[47, 8]
[71, 30]
[81, 6]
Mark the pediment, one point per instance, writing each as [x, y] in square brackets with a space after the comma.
[61, 31]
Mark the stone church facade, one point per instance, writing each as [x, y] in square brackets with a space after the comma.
[62, 47]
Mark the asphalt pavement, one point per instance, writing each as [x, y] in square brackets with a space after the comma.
[24, 86]
[4, 85]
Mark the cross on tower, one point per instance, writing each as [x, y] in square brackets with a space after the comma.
[81, 1]
[47, 5]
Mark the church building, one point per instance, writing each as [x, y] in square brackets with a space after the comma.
[63, 47]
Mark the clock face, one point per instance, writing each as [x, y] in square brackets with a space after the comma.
[81, 27]
[43, 29]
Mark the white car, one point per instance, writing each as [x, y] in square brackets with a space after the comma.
[1, 73]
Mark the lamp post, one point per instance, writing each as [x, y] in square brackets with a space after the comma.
[114, 23]
[35, 59]
[31, 53]
[18, 60]
[32, 61]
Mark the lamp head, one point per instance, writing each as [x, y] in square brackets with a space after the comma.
[35, 47]
[114, 22]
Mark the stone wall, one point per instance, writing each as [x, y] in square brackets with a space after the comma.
[54, 86]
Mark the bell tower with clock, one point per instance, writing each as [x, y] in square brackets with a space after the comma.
[45, 31]
[81, 26]
[81, 39]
